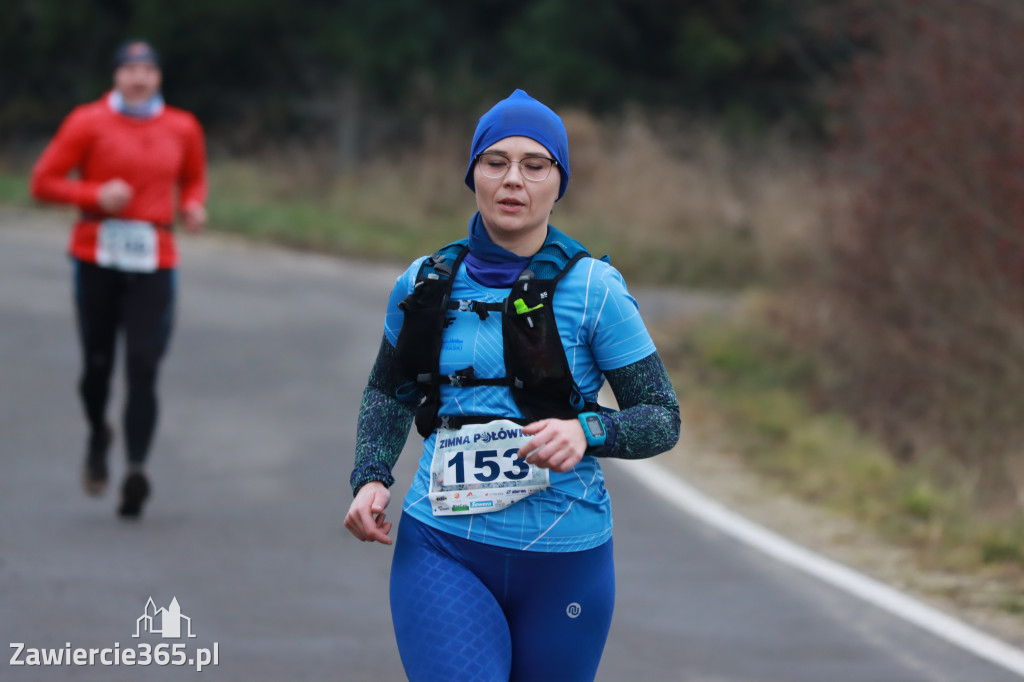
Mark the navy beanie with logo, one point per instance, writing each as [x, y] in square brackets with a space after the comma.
[521, 115]
[132, 51]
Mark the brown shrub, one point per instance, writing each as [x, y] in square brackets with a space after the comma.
[926, 308]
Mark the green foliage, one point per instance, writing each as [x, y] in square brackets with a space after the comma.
[708, 53]
[922, 500]
[262, 67]
[344, 220]
[14, 189]
[1003, 546]
[751, 358]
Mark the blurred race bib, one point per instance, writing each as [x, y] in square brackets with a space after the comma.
[128, 245]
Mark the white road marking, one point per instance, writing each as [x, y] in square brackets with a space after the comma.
[699, 505]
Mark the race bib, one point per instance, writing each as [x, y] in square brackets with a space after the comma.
[128, 245]
[475, 469]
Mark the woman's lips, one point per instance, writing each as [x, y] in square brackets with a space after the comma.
[510, 205]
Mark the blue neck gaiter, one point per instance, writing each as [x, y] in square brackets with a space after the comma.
[488, 263]
[148, 109]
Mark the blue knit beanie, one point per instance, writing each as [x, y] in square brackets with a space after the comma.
[521, 115]
[131, 51]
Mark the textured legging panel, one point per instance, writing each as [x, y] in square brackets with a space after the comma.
[467, 611]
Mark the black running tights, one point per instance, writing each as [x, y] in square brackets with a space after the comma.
[142, 306]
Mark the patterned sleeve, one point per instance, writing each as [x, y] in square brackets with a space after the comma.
[384, 422]
[648, 421]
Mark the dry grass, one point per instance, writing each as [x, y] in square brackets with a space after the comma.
[721, 212]
[746, 389]
[672, 203]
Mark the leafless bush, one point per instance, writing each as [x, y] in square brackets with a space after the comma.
[925, 312]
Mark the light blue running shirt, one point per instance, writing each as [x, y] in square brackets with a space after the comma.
[600, 327]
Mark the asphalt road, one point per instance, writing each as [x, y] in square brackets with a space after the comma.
[250, 469]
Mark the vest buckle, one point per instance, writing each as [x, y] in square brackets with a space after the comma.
[462, 378]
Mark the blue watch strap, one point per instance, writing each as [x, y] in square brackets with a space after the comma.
[593, 428]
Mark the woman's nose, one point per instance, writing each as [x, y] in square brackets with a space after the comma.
[514, 175]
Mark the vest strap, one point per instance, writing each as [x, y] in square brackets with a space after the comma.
[458, 421]
[460, 379]
[481, 308]
[536, 371]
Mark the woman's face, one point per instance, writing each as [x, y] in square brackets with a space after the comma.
[137, 81]
[513, 208]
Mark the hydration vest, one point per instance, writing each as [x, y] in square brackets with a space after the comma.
[536, 370]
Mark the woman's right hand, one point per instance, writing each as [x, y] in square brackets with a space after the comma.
[366, 519]
[114, 195]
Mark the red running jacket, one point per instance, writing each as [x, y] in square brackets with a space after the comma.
[156, 156]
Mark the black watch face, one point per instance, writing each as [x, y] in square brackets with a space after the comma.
[596, 426]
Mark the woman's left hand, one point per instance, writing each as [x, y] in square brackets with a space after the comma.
[194, 215]
[557, 444]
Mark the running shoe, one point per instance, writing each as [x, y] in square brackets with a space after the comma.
[94, 472]
[134, 492]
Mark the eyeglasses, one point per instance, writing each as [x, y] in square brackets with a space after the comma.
[533, 168]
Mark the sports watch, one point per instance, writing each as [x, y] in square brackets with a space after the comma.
[593, 428]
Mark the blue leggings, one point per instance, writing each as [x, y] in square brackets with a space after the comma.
[465, 611]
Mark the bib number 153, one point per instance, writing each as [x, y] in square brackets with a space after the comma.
[484, 466]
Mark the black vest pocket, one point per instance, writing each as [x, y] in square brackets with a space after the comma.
[419, 341]
[532, 347]
[539, 375]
